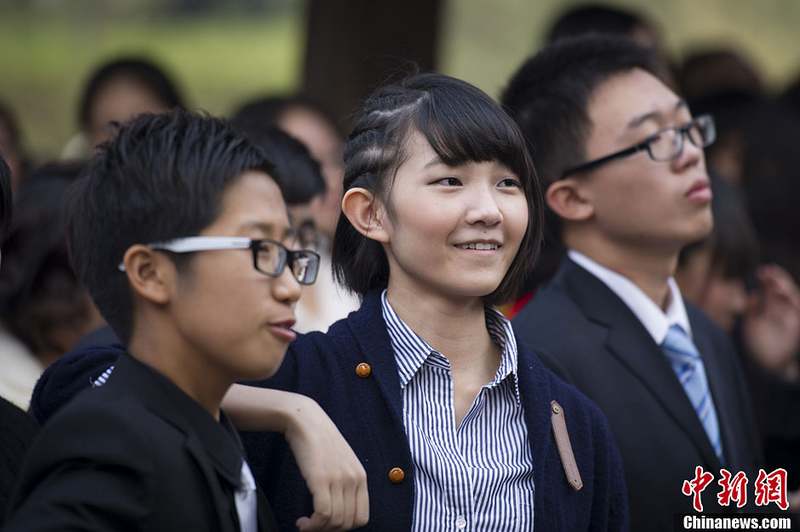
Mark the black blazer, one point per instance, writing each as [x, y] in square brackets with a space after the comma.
[585, 333]
[134, 454]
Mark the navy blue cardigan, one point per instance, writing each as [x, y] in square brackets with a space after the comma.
[368, 412]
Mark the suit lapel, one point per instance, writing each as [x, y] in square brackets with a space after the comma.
[226, 513]
[630, 343]
[216, 451]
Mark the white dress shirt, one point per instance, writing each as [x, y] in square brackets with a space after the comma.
[655, 320]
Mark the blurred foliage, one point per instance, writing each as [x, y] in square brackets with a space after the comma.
[486, 40]
[218, 58]
[221, 53]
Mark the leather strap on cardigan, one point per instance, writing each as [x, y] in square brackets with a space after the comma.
[564, 446]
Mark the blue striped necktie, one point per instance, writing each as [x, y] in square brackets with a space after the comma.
[688, 366]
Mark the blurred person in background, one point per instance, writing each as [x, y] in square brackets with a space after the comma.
[722, 82]
[771, 183]
[17, 429]
[11, 146]
[324, 302]
[760, 307]
[602, 18]
[303, 186]
[114, 93]
[42, 303]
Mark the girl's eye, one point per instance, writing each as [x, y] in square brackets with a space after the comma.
[510, 182]
[448, 182]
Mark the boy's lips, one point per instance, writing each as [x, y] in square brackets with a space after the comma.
[283, 329]
[700, 191]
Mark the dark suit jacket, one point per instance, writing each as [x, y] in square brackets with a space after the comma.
[587, 335]
[368, 412]
[134, 454]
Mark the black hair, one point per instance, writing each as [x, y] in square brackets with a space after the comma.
[9, 122]
[595, 18]
[5, 198]
[298, 171]
[38, 290]
[162, 177]
[549, 96]
[771, 183]
[462, 124]
[272, 109]
[733, 243]
[139, 69]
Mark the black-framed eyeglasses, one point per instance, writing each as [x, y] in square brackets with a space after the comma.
[664, 145]
[269, 256]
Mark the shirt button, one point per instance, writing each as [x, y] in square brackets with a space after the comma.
[461, 523]
[363, 370]
[396, 475]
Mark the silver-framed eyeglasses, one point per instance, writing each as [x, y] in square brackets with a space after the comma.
[269, 256]
[662, 146]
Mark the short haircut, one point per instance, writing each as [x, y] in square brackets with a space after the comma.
[298, 171]
[138, 69]
[5, 198]
[162, 177]
[462, 124]
[584, 19]
[549, 95]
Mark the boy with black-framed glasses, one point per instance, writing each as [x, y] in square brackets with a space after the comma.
[627, 191]
[180, 233]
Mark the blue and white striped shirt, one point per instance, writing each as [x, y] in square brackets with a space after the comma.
[477, 476]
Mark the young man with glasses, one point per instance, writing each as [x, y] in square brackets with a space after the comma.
[181, 235]
[622, 160]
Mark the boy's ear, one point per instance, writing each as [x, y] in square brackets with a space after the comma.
[150, 274]
[568, 199]
[365, 213]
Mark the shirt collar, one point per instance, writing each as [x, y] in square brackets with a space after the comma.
[656, 321]
[412, 351]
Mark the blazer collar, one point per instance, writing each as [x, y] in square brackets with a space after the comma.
[629, 341]
[218, 440]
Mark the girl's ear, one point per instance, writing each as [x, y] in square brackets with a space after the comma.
[365, 213]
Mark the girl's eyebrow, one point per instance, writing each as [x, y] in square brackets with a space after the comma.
[433, 162]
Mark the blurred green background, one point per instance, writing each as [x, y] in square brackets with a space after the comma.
[221, 53]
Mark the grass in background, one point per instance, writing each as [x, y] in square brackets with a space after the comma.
[217, 62]
[221, 58]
